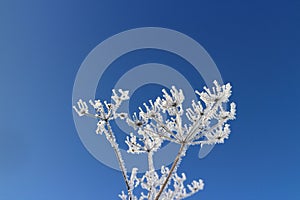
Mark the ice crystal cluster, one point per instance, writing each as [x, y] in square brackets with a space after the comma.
[161, 121]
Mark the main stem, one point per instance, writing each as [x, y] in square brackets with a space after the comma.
[150, 161]
[178, 157]
[119, 158]
[151, 170]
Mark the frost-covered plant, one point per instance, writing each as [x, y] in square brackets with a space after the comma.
[207, 125]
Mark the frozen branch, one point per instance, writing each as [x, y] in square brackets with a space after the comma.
[208, 119]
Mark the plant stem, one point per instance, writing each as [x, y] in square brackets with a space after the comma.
[150, 161]
[114, 144]
[151, 170]
[177, 159]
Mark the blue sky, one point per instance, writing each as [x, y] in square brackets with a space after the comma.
[255, 45]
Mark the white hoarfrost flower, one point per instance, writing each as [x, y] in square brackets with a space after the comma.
[196, 186]
[147, 142]
[152, 111]
[218, 135]
[101, 127]
[133, 145]
[171, 103]
[217, 94]
[97, 105]
[82, 108]
[137, 121]
[196, 112]
[208, 124]
[123, 196]
[119, 98]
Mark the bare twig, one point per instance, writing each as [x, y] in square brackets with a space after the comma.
[177, 159]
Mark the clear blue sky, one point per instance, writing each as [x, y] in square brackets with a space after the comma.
[255, 45]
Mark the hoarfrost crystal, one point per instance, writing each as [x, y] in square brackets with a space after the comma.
[208, 125]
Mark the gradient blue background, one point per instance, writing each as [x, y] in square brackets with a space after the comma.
[255, 45]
